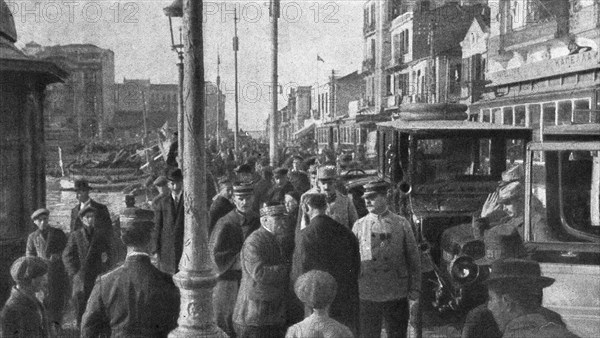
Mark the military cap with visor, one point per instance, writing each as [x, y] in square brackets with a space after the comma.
[39, 212]
[376, 187]
[243, 189]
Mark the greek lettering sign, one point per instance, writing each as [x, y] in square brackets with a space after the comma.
[562, 65]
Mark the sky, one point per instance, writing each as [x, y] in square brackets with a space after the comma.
[138, 33]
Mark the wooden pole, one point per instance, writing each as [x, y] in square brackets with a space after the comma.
[236, 47]
[195, 278]
[273, 152]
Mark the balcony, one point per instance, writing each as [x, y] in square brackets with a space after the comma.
[368, 65]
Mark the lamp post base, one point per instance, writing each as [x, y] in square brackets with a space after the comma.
[195, 311]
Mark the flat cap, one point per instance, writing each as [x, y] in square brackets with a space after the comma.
[27, 268]
[243, 169]
[376, 187]
[327, 173]
[160, 181]
[86, 210]
[273, 210]
[316, 289]
[39, 212]
[243, 189]
[175, 175]
[280, 172]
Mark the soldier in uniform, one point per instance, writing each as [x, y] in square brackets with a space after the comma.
[260, 306]
[390, 266]
[225, 245]
[339, 206]
[48, 243]
[135, 299]
[514, 288]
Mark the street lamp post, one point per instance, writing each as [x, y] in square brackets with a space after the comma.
[175, 10]
[195, 278]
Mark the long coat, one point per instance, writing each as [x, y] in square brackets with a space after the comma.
[168, 233]
[220, 207]
[261, 300]
[51, 249]
[23, 316]
[330, 246]
[103, 220]
[133, 300]
[85, 258]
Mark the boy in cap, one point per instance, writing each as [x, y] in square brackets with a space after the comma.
[317, 290]
[86, 257]
[168, 222]
[82, 189]
[23, 315]
[514, 289]
[135, 299]
[390, 265]
[225, 245]
[48, 243]
[282, 186]
[260, 305]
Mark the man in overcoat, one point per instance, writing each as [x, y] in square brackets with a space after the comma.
[260, 306]
[162, 184]
[48, 243]
[225, 245]
[221, 204]
[330, 246]
[86, 257]
[281, 187]
[135, 299]
[82, 189]
[168, 225]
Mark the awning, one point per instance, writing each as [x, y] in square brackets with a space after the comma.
[304, 131]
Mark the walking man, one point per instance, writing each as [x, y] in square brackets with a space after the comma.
[136, 299]
[390, 266]
[260, 306]
[168, 222]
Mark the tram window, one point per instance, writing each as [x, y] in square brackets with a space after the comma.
[565, 204]
[497, 115]
[581, 113]
[565, 109]
[535, 113]
[508, 116]
[549, 110]
[519, 115]
[485, 115]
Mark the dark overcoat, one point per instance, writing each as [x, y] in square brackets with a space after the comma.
[220, 207]
[277, 192]
[85, 258]
[168, 233]
[23, 316]
[329, 246]
[103, 220]
[133, 300]
[51, 249]
[261, 193]
[300, 181]
[261, 300]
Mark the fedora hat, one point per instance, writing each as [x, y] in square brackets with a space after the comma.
[81, 185]
[502, 246]
[518, 270]
[175, 176]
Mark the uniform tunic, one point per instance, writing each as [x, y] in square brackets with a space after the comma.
[390, 260]
[261, 300]
[319, 326]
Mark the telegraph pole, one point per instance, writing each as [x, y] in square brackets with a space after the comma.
[195, 278]
[273, 119]
[218, 136]
[236, 47]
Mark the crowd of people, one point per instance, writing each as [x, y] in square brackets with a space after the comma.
[292, 256]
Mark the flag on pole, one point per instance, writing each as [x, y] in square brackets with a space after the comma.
[320, 59]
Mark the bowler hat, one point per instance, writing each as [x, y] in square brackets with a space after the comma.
[316, 289]
[86, 210]
[515, 270]
[376, 187]
[27, 268]
[502, 246]
[160, 181]
[273, 210]
[81, 185]
[39, 212]
[327, 173]
[243, 189]
[280, 172]
[175, 176]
